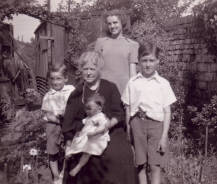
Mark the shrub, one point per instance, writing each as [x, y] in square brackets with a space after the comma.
[207, 22]
[205, 124]
[23, 149]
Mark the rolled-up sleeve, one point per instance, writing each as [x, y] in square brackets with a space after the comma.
[169, 96]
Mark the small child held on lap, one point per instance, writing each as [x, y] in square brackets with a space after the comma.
[92, 139]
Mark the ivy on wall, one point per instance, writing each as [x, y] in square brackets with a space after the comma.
[207, 20]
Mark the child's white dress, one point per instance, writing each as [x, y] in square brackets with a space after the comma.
[96, 144]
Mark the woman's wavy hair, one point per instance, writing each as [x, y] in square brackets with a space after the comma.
[122, 16]
[91, 56]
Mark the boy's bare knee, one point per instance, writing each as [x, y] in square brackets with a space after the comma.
[155, 174]
[155, 168]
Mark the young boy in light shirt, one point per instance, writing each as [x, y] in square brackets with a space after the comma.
[53, 107]
[147, 98]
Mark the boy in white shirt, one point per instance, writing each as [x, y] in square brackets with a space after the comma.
[147, 99]
[53, 106]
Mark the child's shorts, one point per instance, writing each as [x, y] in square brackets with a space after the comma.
[146, 134]
[54, 137]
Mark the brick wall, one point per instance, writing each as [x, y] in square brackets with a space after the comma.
[197, 68]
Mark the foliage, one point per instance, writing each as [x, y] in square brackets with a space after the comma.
[32, 98]
[27, 52]
[147, 19]
[206, 14]
[35, 10]
[24, 146]
[153, 11]
[6, 108]
[112, 4]
[202, 118]
[187, 162]
[23, 143]
[9, 7]
[190, 169]
[158, 11]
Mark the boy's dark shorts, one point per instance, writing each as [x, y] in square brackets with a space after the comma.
[146, 134]
[54, 137]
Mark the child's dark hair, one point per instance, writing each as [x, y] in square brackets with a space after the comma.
[57, 68]
[149, 48]
[98, 99]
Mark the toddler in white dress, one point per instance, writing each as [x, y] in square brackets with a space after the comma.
[94, 136]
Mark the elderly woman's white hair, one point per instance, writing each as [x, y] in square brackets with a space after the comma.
[92, 57]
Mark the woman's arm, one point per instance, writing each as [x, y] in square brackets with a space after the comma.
[133, 60]
[133, 71]
[116, 107]
[127, 121]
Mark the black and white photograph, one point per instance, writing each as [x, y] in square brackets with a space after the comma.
[108, 91]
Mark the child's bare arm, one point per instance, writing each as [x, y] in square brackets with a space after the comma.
[166, 125]
[102, 128]
[49, 116]
[127, 109]
[127, 121]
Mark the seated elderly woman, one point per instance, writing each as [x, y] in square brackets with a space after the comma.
[115, 165]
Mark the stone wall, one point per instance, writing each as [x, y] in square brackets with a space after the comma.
[197, 68]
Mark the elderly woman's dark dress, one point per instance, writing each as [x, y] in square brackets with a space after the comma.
[115, 165]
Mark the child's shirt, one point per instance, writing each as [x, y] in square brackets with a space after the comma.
[55, 101]
[94, 145]
[151, 95]
[96, 122]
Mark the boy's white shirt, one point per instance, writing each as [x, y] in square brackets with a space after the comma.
[150, 95]
[55, 101]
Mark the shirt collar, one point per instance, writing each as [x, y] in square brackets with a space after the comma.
[53, 91]
[156, 76]
[118, 38]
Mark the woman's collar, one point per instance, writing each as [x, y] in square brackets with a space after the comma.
[94, 86]
[120, 36]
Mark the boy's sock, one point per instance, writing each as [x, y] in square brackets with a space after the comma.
[54, 169]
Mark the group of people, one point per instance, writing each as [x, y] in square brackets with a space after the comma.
[115, 122]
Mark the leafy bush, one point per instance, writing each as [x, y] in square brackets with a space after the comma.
[207, 22]
[23, 149]
[191, 169]
[6, 109]
[205, 119]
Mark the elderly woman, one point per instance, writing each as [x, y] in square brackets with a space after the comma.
[119, 52]
[116, 164]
